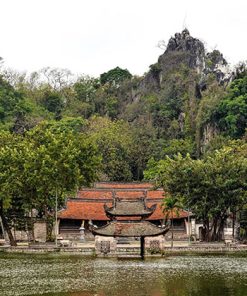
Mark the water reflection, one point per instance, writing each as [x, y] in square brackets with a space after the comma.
[56, 275]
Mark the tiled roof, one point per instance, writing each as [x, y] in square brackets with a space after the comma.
[95, 194]
[159, 215]
[91, 210]
[84, 210]
[129, 208]
[121, 193]
[129, 229]
[89, 203]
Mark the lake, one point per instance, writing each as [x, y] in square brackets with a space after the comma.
[74, 275]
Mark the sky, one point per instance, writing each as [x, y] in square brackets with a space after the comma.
[93, 36]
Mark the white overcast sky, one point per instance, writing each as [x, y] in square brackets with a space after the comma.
[93, 36]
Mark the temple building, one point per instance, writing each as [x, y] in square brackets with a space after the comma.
[97, 206]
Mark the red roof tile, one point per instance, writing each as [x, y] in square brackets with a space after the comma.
[94, 194]
[130, 194]
[121, 193]
[155, 194]
[76, 209]
[89, 204]
[159, 215]
[85, 210]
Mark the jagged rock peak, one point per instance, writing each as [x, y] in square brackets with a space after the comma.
[185, 42]
[216, 58]
[215, 63]
[183, 49]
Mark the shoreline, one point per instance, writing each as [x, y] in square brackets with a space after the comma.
[130, 251]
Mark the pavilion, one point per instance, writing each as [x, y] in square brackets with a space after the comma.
[127, 219]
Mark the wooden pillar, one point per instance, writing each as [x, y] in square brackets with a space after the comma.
[142, 247]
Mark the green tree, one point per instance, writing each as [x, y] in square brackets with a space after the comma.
[85, 88]
[44, 161]
[170, 208]
[209, 187]
[144, 145]
[12, 154]
[62, 161]
[10, 99]
[114, 141]
[53, 102]
[233, 109]
[182, 146]
[115, 75]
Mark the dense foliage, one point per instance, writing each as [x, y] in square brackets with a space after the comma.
[233, 109]
[115, 76]
[211, 187]
[46, 161]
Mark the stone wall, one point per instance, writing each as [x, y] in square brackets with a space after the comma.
[154, 244]
[20, 235]
[40, 231]
[105, 245]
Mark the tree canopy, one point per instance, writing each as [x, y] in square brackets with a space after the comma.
[210, 187]
[39, 164]
[233, 109]
[115, 75]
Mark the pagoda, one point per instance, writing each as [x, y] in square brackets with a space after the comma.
[127, 219]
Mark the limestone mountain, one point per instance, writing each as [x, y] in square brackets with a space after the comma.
[171, 95]
[183, 49]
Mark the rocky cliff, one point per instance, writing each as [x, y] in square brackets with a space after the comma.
[171, 93]
[183, 49]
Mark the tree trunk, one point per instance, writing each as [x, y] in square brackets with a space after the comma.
[206, 231]
[172, 232]
[7, 228]
[9, 232]
[233, 223]
[216, 230]
[46, 219]
[221, 228]
[32, 225]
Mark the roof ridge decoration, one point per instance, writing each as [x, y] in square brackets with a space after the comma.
[131, 228]
[115, 196]
[129, 208]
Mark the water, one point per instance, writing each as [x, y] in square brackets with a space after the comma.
[72, 275]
